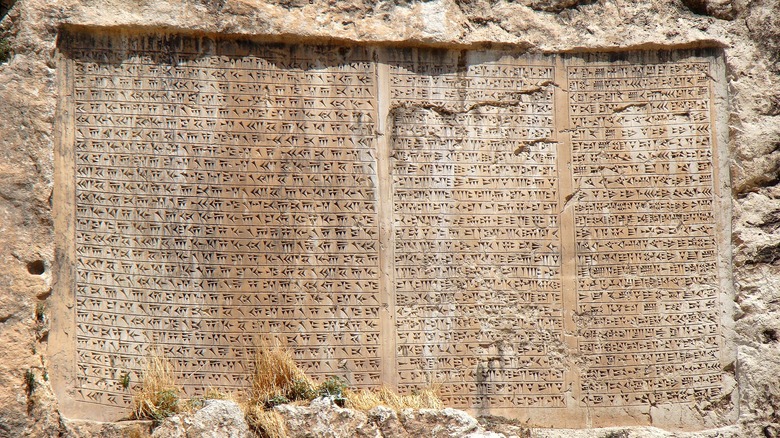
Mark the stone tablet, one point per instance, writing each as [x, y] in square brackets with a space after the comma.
[543, 236]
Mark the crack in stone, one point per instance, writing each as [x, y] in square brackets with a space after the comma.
[515, 98]
[527, 144]
[622, 108]
[569, 198]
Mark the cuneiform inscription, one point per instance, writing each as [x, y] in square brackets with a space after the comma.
[552, 225]
[477, 245]
[647, 294]
[222, 202]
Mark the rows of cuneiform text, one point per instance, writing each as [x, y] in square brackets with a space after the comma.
[227, 201]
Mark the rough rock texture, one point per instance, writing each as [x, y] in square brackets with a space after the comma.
[123, 429]
[323, 419]
[749, 30]
[440, 423]
[217, 419]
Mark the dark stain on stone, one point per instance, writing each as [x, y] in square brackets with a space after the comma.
[769, 336]
[771, 222]
[766, 255]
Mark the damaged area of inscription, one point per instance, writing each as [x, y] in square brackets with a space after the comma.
[511, 99]
[473, 173]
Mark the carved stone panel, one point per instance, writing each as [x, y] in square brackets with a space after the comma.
[646, 243]
[542, 236]
[476, 229]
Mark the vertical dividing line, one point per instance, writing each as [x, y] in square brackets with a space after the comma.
[566, 193]
[387, 329]
[722, 204]
[62, 343]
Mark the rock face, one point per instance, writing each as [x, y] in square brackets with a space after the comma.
[87, 429]
[323, 419]
[218, 418]
[748, 31]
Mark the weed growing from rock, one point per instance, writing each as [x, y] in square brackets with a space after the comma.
[5, 49]
[159, 395]
[40, 313]
[277, 380]
[124, 380]
[335, 388]
[276, 376]
[29, 382]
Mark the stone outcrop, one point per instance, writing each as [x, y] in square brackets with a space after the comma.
[217, 418]
[748, 31]
[320, 419]
[323, 419]
[88, 429]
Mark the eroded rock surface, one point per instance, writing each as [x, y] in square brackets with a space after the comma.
[323, 419]
[217, 419]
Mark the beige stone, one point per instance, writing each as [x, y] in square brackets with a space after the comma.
[528, 232]
[28, 95]
[216, 419]
[439, 423]
[324, 419]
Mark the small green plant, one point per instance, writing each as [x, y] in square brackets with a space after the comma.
[125, 380]
[29, 382]
[302, 389]
[167, 404]
[276, 401]
[334, 388]
[5, 49]
[40, 313]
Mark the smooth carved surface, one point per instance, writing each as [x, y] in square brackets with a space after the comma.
[220, 201]
[477, 244]
[530, 232]
[647, 288]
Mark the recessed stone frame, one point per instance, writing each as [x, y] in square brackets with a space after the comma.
[544, 236]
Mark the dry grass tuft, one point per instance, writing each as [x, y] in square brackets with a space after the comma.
[159, 395]
[367, 399]
[215, 394]
[268, 423]
[277, 379]
[427, 398]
